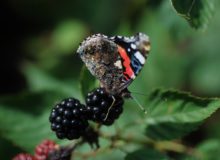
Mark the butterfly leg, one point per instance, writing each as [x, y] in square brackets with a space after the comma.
[113, 102]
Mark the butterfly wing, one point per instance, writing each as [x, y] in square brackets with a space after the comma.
[133, 52]
[100, 55]
[114, 61]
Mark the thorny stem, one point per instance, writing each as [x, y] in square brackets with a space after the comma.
[117, 138]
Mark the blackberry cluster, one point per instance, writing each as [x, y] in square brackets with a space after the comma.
[47, 150]
[67, 119]
[44, 149]
[24, 156]
[102, 107]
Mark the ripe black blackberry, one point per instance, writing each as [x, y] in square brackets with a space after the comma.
[101, 107]
[67, 119]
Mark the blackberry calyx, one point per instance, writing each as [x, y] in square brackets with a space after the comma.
[92, 137]
[63, 153]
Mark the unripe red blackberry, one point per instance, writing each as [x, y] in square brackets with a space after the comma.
[42, 150]
[24, 156]
[99, 109]
[68, 120]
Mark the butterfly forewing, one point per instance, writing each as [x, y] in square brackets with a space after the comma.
[133, 51]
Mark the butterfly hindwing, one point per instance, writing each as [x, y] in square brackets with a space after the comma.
[133, 51]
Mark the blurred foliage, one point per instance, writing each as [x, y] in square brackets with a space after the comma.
[146, 152]
[197, 13]
[85, 85]
[40, 68]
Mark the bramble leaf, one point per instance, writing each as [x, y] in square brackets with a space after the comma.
[173, 114]
[146, 154]
[39, 80]
[197, 12]
[24, 130]
[209, 149]
[25, 120]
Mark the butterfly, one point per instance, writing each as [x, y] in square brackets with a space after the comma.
[115, 61]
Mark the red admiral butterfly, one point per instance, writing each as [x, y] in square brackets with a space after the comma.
[115, 61]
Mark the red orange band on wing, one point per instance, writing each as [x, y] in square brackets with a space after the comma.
[126, 62]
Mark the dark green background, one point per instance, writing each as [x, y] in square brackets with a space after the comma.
[44, 35]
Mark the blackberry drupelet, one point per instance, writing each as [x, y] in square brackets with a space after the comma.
[99, 109]
[68, 120]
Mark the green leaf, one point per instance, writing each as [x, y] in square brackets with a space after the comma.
[197, 12]
[172, 114]
[209, 150]
[24, 119]
[34, 103]
[87, 81]
[24, 130]
[8, 149]
[205, 77]
[184, 156]
[38, 80]
[146, 154]
[67, 36]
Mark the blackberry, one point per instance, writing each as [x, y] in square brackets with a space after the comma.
[98, 103]
[24, 156]
[67, 119]
[42, 150]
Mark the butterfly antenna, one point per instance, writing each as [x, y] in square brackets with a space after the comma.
[113, 102]
[139, 105]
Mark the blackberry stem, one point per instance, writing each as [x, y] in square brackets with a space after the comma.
[161, 145]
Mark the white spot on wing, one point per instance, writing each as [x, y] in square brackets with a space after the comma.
[129, 49]
[127, 39]
[118, 64]
[133, 76]
[113, 37]
[133, 46]
[140, 57]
